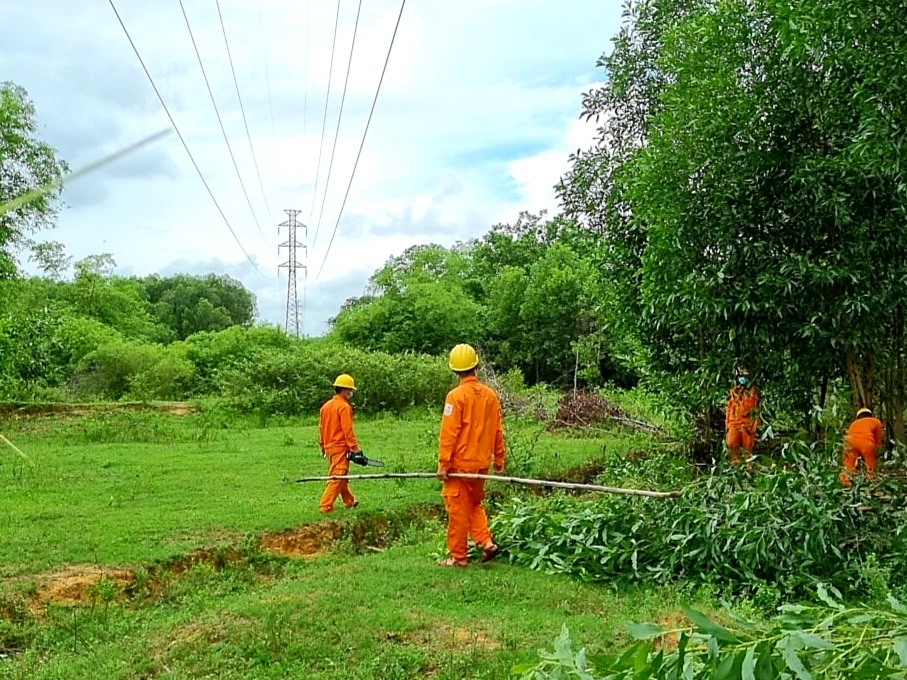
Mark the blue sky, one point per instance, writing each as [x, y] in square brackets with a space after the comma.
[476, 117]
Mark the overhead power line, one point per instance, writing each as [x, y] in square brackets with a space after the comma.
[182, 139]
[362, 143]
[327, 181]
[221, 122]
[242, 109]
[325, 118]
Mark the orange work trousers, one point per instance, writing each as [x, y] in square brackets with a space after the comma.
[465, 515]
[340, 465]
[855, 450]
[740, 436]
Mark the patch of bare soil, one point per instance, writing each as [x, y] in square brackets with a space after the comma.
[79, 584]
[450, 638]
[669, 641]
[305, 541]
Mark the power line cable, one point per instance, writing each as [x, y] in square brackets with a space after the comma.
[327, 181]
[325, 119]
[182, 139]
[362, 143]
[243, 110]
[221, 122]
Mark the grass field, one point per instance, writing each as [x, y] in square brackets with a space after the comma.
[133, 549]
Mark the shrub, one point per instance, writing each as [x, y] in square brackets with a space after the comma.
[822, 641]
[298, 380]
[109, 370]
[214, 352]
[789, 527]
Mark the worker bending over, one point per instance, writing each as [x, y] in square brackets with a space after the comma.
[338, 442]
[864, 438]
[740, 418]
[472, 437]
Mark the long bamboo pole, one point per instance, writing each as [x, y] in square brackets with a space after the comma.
[17, 450]
[500, 478]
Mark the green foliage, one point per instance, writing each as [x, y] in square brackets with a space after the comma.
[193, 304]
[789, 527]
[26, 164]
[215, 352]
[30, 354]
[804, 641]
[526, 294]
[298, 379]
[126, 369]
[748, 194]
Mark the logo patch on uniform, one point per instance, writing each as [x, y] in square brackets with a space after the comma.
[448, 409]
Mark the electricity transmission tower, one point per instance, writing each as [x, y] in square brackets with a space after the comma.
[294, 311]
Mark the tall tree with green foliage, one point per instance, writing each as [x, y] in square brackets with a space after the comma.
[747, 185]
[26, 164]
[192, 304]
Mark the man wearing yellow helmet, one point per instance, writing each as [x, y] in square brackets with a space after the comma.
[472, 437]
[864, 438]
[338, 441]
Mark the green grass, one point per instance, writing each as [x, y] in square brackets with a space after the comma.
[136, 490]
[386, 615]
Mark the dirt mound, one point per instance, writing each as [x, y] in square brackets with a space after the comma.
[305, 541]
[80, 584]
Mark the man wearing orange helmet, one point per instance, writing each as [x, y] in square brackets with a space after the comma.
[338, 442]
[472, 437]
[864, 438]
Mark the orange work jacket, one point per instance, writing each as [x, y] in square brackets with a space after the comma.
[472, 428]
[740, 406]
[336, 427]
[865, 431]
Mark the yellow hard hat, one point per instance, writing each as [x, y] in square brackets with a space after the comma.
[344, 380]
[463, 358]
[863, 411]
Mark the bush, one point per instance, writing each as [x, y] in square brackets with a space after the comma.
[298, 380]
[78, 336]
[214, 352]
[109, 370]
[826, 641]
[789, 528]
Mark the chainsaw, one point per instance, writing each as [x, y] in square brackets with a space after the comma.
[359, 458]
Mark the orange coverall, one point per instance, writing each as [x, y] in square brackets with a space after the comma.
[864, 438]
[739, 421]
[337, 439]
[472, 435]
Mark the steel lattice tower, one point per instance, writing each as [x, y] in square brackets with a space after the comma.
[294, 312]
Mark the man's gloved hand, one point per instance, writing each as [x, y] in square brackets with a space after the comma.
[357, 457]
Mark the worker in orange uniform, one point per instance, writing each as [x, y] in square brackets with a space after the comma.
[338, 442]
[740, 418]
[472, 437]
[864, 438]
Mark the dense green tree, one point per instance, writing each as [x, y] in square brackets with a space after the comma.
[191, 304]
[746, 183]
[26, 164]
